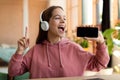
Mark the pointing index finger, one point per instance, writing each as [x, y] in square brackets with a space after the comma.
[26, 32]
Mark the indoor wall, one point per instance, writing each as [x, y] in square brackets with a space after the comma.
[11, 20]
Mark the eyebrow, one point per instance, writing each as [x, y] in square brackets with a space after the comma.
[58, 15]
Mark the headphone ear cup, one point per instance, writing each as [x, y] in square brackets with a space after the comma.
[44, 25]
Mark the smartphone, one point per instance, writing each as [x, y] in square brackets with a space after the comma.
[91, 32]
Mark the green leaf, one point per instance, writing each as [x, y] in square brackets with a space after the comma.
[109, 42]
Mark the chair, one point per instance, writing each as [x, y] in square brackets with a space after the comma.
[21, 77]
[3, 76]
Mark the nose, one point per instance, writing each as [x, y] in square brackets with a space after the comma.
[63, 20]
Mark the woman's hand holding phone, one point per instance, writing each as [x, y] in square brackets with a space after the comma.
[23, 43]
[90, 33]
[99, 39]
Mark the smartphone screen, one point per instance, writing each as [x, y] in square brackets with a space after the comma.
[91, 32]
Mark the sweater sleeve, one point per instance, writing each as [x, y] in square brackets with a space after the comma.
[100, 59]
[19, 64]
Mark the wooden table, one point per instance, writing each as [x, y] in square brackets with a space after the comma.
[96, 77]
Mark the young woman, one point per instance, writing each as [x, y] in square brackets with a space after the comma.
[54, 55]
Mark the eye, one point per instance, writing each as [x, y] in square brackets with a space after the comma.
[57, 17]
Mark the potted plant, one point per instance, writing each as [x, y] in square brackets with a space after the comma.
[112, 37]
[84, 43]
[109, 42]
[108, 38]
[116, 36]
[81, 41]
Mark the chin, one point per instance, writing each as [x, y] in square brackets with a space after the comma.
[62, 35]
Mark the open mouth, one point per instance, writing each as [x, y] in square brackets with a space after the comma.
[61, 28]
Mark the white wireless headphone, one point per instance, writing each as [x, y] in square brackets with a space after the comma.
[44, 24]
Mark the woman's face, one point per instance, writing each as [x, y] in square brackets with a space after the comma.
[57, 23]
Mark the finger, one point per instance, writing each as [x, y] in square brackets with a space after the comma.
[21, 42]
[26, 40]
[90, 39]
[27, 43]
[26, 32]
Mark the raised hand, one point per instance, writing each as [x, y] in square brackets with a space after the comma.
[99, 39]
[23, 43]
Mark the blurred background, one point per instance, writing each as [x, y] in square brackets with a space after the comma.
[15, 15]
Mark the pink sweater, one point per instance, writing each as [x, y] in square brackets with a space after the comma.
[63, 59]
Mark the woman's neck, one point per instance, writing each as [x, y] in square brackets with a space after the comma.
[53, 40]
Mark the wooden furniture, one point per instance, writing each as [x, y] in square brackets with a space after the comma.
[97, 77]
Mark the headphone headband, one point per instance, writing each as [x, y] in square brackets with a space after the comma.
[41, 16]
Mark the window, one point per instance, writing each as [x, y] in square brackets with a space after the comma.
[73, 17]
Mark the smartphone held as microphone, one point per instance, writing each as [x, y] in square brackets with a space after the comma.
[91, 32]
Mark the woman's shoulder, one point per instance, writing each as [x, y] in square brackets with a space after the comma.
[71, 43]
[34, 47]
